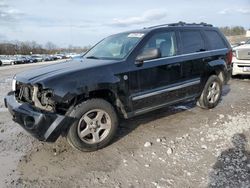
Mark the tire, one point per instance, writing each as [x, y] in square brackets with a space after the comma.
[95, 126]
[1, 63]
[211, 93]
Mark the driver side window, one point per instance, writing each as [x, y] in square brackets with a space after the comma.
[164, 41]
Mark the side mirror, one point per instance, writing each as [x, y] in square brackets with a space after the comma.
[148, 54]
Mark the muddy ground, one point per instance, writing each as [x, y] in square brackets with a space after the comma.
[188, 147]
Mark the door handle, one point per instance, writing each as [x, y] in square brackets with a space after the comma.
[202, 50]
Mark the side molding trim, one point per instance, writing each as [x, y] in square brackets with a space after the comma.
[167, 89]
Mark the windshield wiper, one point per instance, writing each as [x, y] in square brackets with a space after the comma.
[92, 57]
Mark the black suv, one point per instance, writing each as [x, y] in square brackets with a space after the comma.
[124, 75]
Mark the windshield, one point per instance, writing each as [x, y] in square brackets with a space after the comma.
[248, 42]
[115, 47]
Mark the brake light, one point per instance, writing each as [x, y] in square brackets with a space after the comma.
[234, 53]
[229, 57]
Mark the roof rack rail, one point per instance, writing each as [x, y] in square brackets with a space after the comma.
[180, 24]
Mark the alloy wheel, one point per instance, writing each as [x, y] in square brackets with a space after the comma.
[94, 126]
[213, 92]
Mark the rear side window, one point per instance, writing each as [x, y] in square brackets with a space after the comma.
[215, 40]
[192, 41]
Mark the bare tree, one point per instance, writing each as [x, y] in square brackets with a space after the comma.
[51, 47]
[233, 31]
[28, 47]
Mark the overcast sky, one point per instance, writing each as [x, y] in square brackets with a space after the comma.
[82, 22]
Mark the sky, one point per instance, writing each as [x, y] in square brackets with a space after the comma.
[83, 23]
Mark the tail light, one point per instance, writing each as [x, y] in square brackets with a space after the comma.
[234, 53]
[229, 57]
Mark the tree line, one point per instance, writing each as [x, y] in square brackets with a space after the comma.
[233, 31]
[28, 48]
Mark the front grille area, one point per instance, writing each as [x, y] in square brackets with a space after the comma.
[24, 92]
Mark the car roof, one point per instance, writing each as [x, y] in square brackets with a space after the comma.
[179, 25]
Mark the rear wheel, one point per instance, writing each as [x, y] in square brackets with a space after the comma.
[211, 93]
[95, 125]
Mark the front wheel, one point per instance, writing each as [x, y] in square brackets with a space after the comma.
[95, 126]
[211, 93]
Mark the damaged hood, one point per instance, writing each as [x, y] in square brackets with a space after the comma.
[60, 69]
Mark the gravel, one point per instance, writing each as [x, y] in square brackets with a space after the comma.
[182, 146]
[147, 144]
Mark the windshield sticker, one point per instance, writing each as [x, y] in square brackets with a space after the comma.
[136, 35]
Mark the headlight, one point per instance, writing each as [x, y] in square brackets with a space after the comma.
[14, 84]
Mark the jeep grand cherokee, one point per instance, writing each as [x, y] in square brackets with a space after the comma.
[124, 75]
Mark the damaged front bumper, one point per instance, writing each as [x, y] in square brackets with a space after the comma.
[45, 126]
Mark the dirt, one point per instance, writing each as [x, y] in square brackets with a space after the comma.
[178, 146]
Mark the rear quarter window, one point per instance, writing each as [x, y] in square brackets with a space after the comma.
[215, 40]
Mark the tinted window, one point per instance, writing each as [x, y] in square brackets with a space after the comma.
[215, 40]
[191, 41]
[164, 41]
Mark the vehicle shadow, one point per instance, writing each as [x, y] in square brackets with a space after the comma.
[232, 168]
[128, 125]
[226, 90]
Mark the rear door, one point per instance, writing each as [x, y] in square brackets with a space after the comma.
[193, 56]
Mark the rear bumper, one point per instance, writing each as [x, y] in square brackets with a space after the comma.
[42, 125]
[238, 67]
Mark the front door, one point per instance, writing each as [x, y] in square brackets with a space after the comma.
[154, 83]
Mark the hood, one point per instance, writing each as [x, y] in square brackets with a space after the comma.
[60, 69]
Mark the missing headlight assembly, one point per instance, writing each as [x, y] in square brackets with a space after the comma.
[43, 98]
[24, 92]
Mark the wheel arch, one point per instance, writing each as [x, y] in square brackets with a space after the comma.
[107, 94]
[218, 68]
